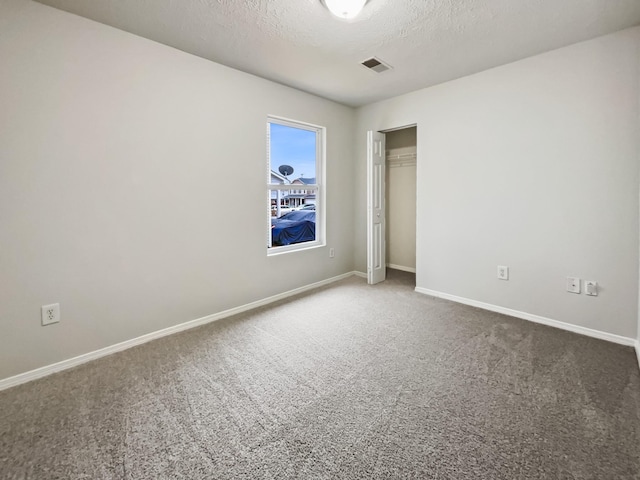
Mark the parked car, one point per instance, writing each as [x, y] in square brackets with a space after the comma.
[283, 211]
[293, 227]
[311, 206]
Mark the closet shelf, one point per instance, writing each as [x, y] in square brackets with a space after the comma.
[402, 160]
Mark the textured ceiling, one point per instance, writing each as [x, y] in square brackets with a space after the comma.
[298, 43]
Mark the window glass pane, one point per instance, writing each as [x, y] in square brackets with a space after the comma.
[294, 148]
[293, 218]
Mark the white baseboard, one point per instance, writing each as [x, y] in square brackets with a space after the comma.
[118, 347]
[534, 318]
[360, 274]
[400, 267]
[638, 350]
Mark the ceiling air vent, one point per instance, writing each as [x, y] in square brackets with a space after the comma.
[376, 65]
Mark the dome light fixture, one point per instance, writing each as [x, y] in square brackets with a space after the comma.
[345, 9]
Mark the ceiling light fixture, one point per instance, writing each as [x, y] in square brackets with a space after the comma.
[345, 9]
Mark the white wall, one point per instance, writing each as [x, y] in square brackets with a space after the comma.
[533, 165]
[400, 194]
[132, 186]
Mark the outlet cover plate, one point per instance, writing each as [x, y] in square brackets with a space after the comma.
[50, 314]
[503, 272]
[573, 285]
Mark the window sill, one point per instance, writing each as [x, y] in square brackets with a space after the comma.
[274, 251]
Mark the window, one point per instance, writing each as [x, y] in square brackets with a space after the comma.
[295, 160]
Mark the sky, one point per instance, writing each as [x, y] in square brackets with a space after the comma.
[295, 147]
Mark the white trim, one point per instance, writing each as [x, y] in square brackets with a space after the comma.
[400, 267]
[296, 247]
[533, 318]
[638, 351]
[118, 347]
[360, 274]
[387, 130]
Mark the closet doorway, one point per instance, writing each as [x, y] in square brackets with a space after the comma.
[400, 198]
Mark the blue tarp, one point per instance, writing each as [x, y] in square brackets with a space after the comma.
[294, 227]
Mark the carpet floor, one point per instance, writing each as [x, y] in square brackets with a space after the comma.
[346, 382]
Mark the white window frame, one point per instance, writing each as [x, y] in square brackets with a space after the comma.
[318, 187]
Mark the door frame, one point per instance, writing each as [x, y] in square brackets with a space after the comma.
[370, 189]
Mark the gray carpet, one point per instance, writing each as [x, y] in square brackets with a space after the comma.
[349, 381]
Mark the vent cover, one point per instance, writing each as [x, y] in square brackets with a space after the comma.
[376, 65]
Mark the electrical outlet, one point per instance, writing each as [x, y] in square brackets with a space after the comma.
[591, 288]
[50, 314]
[332, 253]
[573, 285]
[503, 273]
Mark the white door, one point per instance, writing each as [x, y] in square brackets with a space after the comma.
[376, 259]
